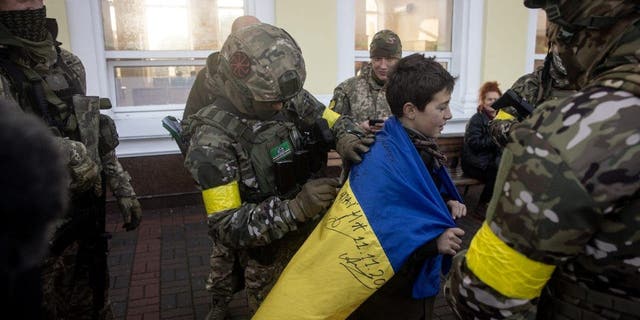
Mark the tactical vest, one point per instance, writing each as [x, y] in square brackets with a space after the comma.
[276, 150]
[57, 97]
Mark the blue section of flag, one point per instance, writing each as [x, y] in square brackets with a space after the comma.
[402, 203]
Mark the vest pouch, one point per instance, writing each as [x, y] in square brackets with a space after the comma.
[301, 165]
[87, 109]
[285, 176]
[108, 139]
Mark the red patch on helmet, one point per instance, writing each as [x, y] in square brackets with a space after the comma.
[240, 64]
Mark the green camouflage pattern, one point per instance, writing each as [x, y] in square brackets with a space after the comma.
[253, 69]
[532, 88]
[567, 192]
[65, 280]
[361, 97]
[385, 44]
[262, 234]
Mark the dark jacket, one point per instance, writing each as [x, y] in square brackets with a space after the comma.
[479, 151]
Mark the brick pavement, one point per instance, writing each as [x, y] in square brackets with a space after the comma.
[158, 271]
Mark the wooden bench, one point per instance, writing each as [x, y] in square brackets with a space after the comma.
[451, 146]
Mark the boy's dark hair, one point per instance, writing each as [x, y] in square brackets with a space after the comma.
[416, 79]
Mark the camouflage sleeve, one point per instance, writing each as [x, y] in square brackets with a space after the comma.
[214, 160]
[308, 109]
[119, 180]
[568, 165]
[340, 102]
[500, 126]
[74, 63]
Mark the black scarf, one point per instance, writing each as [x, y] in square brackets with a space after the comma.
[26, 24]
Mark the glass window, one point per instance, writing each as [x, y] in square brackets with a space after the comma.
[154, 48]
[423, 26]
[542, 44]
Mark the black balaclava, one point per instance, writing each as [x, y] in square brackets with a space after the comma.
[26, 24]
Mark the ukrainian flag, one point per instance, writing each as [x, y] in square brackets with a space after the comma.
[388, 208]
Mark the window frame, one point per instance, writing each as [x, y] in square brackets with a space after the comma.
[139, 128]
[464, 61]
[532, 29]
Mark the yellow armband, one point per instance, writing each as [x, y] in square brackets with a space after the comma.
[221, 198]
[331, 116]
[504, 269]
[503, 115]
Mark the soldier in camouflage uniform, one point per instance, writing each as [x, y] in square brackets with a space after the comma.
[547, 82]
[204, 91]
[255, 155]
[362, 96]
[49, 82]
[561, 236]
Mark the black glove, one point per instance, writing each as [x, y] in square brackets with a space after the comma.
[315, 196]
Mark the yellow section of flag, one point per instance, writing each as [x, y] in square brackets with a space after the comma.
[331, 283]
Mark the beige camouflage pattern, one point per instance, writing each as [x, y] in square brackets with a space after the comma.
[361, 97]
[567, 193]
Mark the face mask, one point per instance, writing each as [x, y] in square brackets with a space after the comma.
[26, 24]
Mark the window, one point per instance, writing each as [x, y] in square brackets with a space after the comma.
[154, 48]
[423, 26]
[144, 55]
[539, 45]
[450, 30]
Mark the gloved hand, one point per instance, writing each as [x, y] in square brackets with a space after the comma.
[350, 146]
[315, 196]
[131, 212]
[83, 171]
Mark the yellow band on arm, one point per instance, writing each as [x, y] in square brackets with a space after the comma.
[504, 269]
[221, 198]
[503, 115]
[331, 116]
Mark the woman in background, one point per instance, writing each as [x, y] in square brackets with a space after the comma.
[480, 155]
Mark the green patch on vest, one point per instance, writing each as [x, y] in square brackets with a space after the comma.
[281, 152]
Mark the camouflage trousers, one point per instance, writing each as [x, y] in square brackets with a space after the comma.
[68, 292]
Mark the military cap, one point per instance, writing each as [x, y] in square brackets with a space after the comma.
[385, 44]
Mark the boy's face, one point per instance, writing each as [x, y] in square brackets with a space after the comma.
[432, 119]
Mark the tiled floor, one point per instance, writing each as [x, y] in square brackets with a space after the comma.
[158, 271]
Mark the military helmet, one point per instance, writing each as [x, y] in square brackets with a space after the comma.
[585, 32]
[261, 63]
[385, 44]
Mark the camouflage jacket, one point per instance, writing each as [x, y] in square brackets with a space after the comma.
[361, 97]
[534, 90]
[216, 158]
[63, 77]
[566, 198]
